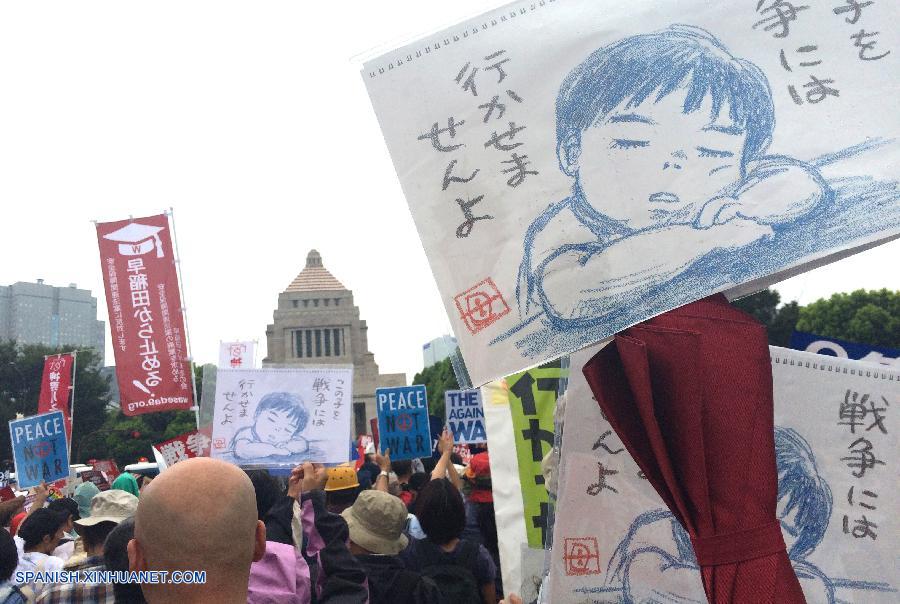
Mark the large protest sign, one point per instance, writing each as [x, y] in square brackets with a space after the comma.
[56, 384]
[846, 350]
[835, 445]
[403, 425]
[465, 416]
[576, 166]
[185, 446]
[519, 415]
[237, 355]
[282, 417]
[39, 449]
[145, 315]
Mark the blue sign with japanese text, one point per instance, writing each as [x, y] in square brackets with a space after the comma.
[403, 421]
[39, 449]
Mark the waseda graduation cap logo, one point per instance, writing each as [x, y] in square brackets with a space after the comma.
[136, 239]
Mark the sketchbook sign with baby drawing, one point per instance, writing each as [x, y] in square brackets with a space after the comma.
[576, 166]
[282, 417]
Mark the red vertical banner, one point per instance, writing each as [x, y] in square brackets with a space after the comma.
[55, 387]
[145, 315]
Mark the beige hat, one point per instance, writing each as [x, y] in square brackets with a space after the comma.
[376, 521]
[110, 506]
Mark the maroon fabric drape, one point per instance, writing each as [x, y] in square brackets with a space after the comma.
[690, 395]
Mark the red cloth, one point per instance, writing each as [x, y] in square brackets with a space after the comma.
[690, 395]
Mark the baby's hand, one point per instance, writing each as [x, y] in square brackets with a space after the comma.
[717, 210]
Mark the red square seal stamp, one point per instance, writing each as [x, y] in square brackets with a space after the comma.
[481, 305]
[582, 556]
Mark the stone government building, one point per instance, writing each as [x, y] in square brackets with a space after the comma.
[317, 323]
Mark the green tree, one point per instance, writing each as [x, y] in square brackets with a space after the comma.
[21, 369]
[780, 321]
[437, 379]
[126, 439]
[867, 317]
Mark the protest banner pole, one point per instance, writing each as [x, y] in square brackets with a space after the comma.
[187, 331]
[74, 354]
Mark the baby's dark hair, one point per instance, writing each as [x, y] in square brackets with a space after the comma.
[285, 402]
[632, 70]
[799, 481]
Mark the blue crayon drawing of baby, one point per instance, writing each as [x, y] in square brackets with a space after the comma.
[655, 562]
[665, 138]
[275, 435]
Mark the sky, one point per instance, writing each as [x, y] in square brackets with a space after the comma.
[251, 121]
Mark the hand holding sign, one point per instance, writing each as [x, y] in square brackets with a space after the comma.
[384, 460]
[445, 444]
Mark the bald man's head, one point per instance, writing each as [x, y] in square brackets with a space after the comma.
[200, 514]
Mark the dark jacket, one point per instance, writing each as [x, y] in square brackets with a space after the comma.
[337, 577]
[390, 582]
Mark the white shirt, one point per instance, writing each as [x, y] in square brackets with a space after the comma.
[34, 562]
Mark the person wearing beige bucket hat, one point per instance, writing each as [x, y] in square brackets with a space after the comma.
[108, 509]
[376, 521]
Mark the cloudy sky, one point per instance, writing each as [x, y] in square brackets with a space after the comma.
[251, 120]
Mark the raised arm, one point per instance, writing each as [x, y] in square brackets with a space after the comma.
[444, 467]
[340, 578]
[384, 464]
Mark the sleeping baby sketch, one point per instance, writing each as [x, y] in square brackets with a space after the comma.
[665, 137]
[275, 433]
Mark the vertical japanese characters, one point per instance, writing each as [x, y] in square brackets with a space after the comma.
[145, 313]
[504, 138]
[776, 18]
[863, 416]
[55, 387]
[532, 399]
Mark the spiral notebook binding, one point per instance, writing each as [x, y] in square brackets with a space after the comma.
[836, 367]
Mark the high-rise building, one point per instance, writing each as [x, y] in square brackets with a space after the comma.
[317, 323]
[437, 350]
[37, 313]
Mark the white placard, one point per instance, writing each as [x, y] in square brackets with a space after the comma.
[465, 416]
[576, 166]
[237, 355]
[837, 493]
[282, 417]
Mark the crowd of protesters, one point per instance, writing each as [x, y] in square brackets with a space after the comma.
[417, 531]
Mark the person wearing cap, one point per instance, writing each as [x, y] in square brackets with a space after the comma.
[83, 495]
[341, 489]
[376, 521]
[108, 509]
[126, 481]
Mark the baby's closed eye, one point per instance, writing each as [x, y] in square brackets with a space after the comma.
[628, 143]
[709, 152]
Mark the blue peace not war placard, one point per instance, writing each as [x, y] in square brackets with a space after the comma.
[403, 421]
[39, 449]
